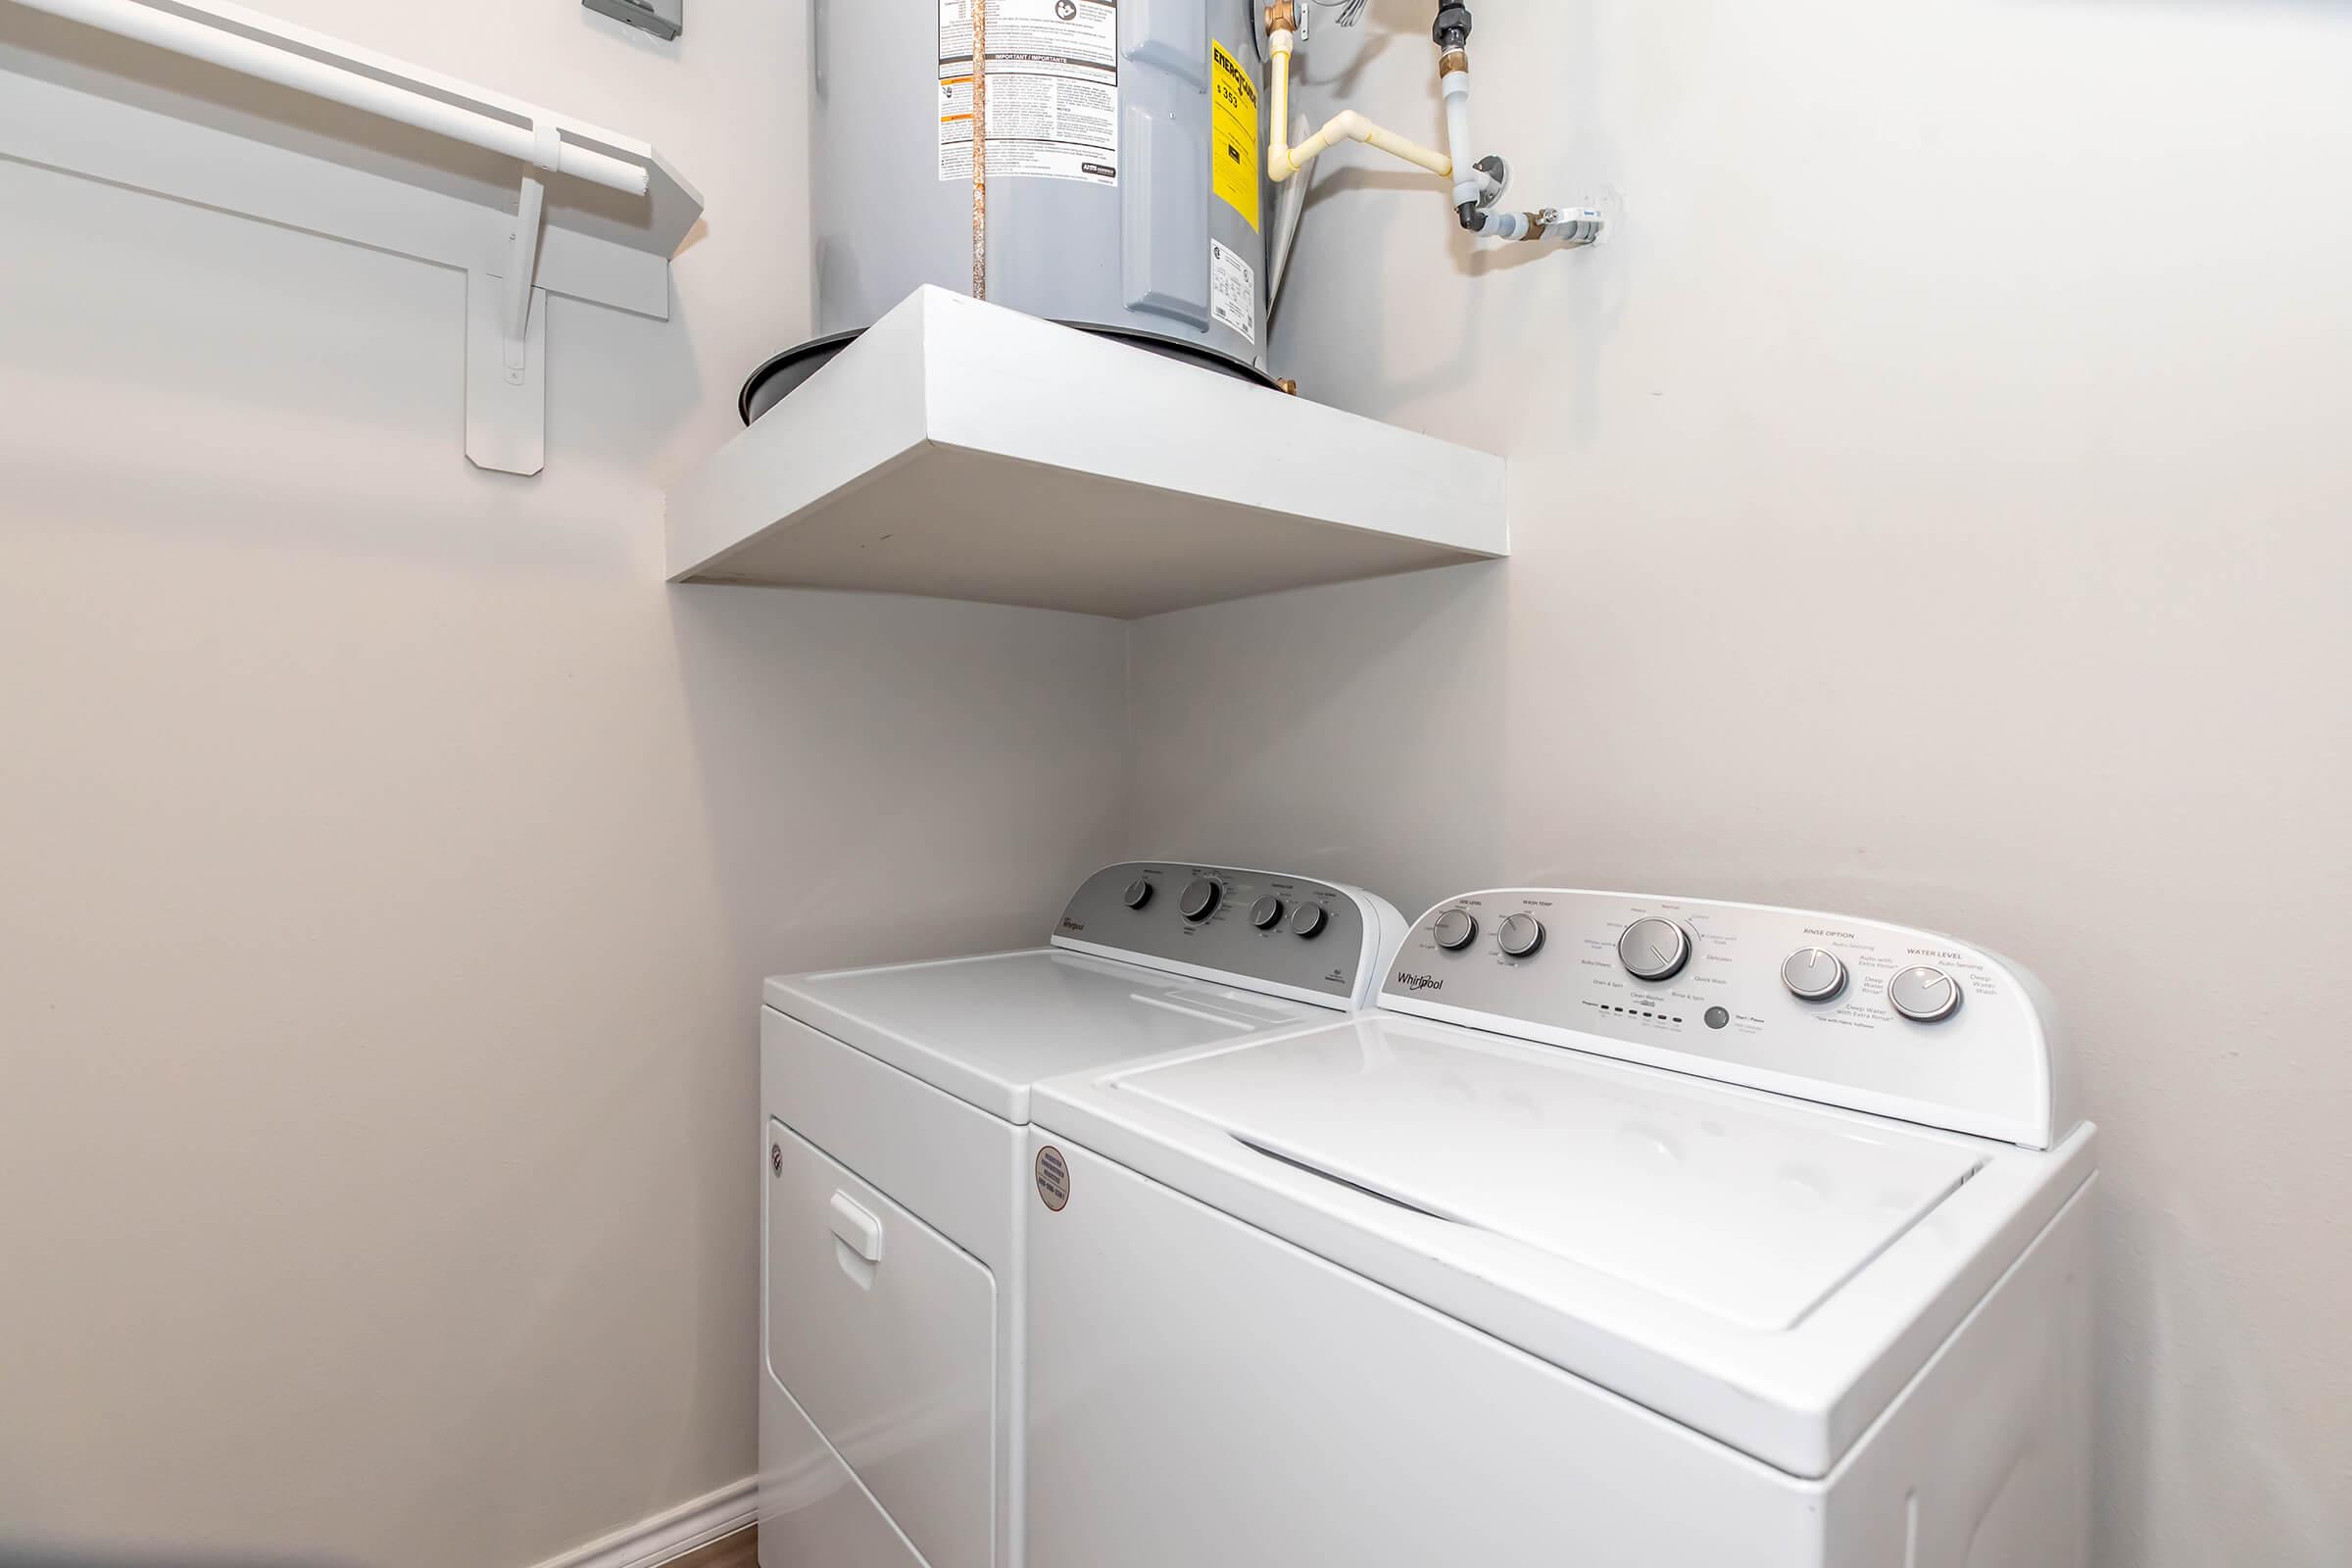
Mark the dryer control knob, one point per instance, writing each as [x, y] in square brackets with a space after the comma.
[1137, 894]
[1923, 994]
[1454, 930]
[1266, 912]
[1813, 974]
[1652, 949]
[1308, 920]
[1519, 935]
[1200, 897]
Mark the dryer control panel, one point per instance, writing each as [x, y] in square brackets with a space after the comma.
[1853, 1012]
[1268, 930]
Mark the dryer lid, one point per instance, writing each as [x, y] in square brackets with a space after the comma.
[986, 1029]
[1750, 1209]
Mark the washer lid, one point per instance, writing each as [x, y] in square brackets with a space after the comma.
[986, 1029]
[1748, 1209]
[1768, 1272]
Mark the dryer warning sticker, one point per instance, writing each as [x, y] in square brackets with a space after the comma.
[1052, 90]
[1233, 151]
[1052, 1179]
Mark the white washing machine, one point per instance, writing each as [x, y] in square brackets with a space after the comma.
[900, 1183]
[1626, 1232]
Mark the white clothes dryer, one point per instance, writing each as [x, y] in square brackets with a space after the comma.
[1627, 1233]
[900, 1183]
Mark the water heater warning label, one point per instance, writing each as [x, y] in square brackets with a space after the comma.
[1233, 291]
[1052, 90]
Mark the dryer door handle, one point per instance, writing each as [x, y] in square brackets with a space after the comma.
[855, 1228]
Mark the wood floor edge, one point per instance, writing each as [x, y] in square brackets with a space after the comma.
[676, 1535]
[738, 1551]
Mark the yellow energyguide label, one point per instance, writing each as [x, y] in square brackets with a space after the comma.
[1233, 148]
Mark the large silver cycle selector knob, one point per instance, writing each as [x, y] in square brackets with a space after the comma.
[1652, 949]
[1200, 897]
[1454, 930]
[1813, 974]
[1519, 935]
[1137, 894]
[1923, 994]
[1266, 912]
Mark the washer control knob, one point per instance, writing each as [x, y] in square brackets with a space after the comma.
[1923, 994]
[1266, 912]
[1813, 974]
[1454, 930]
[1200, 897]
[1137, 894]
[1519, 935]
[1308, 920]
[1652, 949]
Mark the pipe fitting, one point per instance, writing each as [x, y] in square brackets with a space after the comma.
[1582, 226]
[1477, 183]
[1282, 161]
[1496, 171]
[1570, 230]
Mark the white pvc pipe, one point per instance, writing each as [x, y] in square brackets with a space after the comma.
[1279, 167]
[1468, 185]
[1283, 160]
[254, 57]
[1348, 126]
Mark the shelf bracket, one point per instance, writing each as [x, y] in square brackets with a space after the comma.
[602, 236]
[505, 336]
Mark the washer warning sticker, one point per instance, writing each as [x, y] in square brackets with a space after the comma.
[1052, 90]
[1233, 291]
[1233, 150]
[1052, 1179]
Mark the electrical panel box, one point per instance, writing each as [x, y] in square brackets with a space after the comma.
[663, 19]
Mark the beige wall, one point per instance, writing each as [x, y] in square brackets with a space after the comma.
[388, 859]
[1932, 505]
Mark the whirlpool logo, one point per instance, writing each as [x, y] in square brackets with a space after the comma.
[1068, 924]
[1420, 982]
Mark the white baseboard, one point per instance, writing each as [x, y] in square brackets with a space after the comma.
[670, 1534]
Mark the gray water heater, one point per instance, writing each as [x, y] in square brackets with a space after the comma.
[1127, 191]
[663, 19]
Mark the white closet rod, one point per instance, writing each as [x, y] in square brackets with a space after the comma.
[252, 57]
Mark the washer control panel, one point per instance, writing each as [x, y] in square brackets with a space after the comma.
[1860, 1014]
[1318, 940]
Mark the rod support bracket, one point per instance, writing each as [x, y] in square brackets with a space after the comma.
[523, 247]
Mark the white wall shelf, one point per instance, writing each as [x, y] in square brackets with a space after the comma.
[963, 451]
[216, 105]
